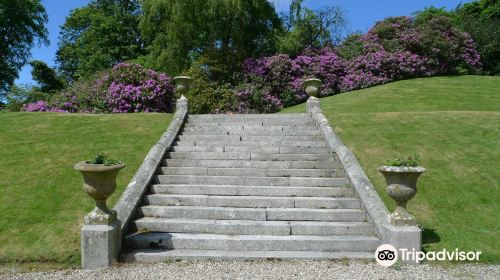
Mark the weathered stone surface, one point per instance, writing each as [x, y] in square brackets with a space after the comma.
[208, 226]
[254, 183]
[371, 202]
[132, 196]
[403, 237]
[198, 212]
[254, 190]
[304, 214]
[160, 255]
[252, 242]
[100, 245]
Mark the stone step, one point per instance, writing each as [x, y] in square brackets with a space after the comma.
[252, 201]
[248, 156]
[229, 163]
[186, 241]
[252, 181]
[205, 226]
[244, 227]
[236, 129]
[329, 215]
[290, 122]
[231, 190]
[253, 214]
[253, 172]
[242, 117]
[260, 132]
[278, 143]
[161, 255]
[254, 149]
[297, 141]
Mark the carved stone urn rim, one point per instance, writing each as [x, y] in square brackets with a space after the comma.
[311, 82]
[180, 79]
[401, 169]
[92, 167]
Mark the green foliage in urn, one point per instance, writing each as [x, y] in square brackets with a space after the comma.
[104, 159]
[404, 161]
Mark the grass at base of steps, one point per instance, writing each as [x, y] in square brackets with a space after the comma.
[453, 123]
[42, 199]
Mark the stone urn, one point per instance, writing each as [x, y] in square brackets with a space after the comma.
[99, 183]
[182, 84]
[312, 86]
[401, 186]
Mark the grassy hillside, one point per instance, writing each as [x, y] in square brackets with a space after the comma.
[42, 199]
[453, 123]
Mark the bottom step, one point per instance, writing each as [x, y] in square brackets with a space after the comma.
[182, 241]
[155, 255]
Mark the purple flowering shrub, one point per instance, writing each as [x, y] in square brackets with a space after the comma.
[436, 40]
[126, 88]
[42, 106]
[394, 49]
[130, 88]
[275, 82]
[380, 67]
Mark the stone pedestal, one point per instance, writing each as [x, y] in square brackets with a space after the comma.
[312, 103]
[403, 237]
[100, 244]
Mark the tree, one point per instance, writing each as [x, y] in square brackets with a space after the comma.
[46, 77]
[306, 28]
[22, 24]
[179, 32]
[481, 19]
[99, 36]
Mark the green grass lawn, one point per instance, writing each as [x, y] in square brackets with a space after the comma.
[42, 199]
[453, 123]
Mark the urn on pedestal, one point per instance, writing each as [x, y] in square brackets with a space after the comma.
[401, 186]
[182, 84]
[312, 86]
[99, 178]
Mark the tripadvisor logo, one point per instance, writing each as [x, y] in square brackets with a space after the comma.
[387, 255]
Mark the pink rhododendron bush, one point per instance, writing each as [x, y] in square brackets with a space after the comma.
[126, 88]
[394, 49]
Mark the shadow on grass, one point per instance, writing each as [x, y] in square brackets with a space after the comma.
[430, 236]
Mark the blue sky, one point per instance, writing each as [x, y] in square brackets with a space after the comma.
[361, 15]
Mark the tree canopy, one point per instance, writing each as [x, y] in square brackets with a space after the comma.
[98, 36]
[306, 28]
[46, 77]
[180, 31]
[22, 24]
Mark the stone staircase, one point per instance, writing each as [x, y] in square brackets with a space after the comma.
[250, 187]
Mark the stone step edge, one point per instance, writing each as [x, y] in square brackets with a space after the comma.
[312, 223]
[159, 255]
[343, 191]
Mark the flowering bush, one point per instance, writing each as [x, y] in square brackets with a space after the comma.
[274, 82]
[126, 88]
[381, 67]
[42, 106]
[394, 49]
[436, 40]
[132, 88]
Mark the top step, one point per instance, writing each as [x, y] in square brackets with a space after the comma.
[249, 117]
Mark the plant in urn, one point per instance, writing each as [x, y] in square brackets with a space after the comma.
[401, 176]
[99, 176]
